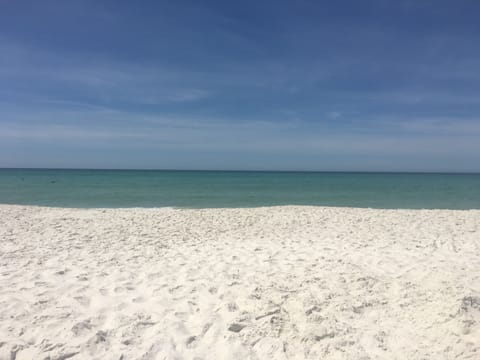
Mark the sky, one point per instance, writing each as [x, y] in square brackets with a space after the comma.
[374, 85]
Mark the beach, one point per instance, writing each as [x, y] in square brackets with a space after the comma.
[285, 282]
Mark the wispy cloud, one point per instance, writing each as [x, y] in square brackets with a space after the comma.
[422, 137]
[333, 114]
[104, 80]
[445, 126]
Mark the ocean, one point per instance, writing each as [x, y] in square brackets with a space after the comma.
[217, 189]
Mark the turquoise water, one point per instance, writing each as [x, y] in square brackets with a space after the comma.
[206, 189]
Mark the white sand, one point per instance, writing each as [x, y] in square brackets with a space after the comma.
[266, 283]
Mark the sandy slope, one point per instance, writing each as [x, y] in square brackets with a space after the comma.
[266, 283]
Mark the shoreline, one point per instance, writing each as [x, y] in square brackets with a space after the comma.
[281, 282]
[147, 208]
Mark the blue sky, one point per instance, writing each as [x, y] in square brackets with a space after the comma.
[288, 85]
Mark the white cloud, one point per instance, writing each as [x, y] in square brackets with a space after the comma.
[333, 114]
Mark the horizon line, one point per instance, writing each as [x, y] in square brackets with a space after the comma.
[250, 170]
